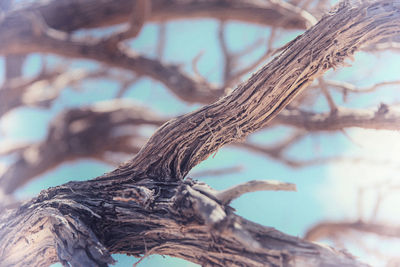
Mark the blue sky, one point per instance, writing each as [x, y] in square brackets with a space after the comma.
[290, 212]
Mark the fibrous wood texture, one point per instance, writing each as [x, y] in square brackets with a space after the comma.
[147, 206]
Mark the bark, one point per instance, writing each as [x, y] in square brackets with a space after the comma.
[93, 131]
[83, 223]
[145, 206]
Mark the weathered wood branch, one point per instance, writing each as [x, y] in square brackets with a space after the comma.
[181, 144]
[145, 206]
[82, 223]
[98, 143]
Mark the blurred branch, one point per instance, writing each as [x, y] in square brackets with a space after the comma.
[93, 14]
[76, 134]
[13, 66]
[80, 133]
[43, 89]
[329, 99]
[140, 12]
[162, 40]
[47, 40]
[351, 88]
[327, 229]
[385, 118]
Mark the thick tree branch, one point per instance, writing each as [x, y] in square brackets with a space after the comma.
[181, 144]
[82, 223]
[98, 143]
[145, 205]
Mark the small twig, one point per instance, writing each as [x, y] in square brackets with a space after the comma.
[195, 69]
[377, 206]
[227, 195]
[126, 85]
[332, 106]
[269, 52]
[162, 29]
[344, 132]
[140, 12]
[351, 88]
[225, 52]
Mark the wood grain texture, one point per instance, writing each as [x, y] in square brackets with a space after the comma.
[146, 206]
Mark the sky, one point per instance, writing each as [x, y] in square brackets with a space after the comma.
[323, 191]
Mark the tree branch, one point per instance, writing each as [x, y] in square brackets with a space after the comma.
[256, 102]
[227, 195]
[327, 229]
[384, 117]
[92, 14]
[146, 205]
[80, 133]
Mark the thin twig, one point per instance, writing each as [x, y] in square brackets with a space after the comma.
[227, 195]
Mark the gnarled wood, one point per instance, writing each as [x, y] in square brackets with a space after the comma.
[145, 206]
[181, 144]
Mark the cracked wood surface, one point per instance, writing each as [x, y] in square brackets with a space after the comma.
[145, 206]
[182, 143]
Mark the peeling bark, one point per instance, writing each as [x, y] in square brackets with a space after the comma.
[84, 222]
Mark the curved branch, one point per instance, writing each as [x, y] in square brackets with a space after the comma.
[182, 143]
[82, 223]
[92, 14]
[99, 142]
[28, 32]
[146, 206]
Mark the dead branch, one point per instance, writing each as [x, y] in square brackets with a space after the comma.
[82, 223]
[227, 195]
